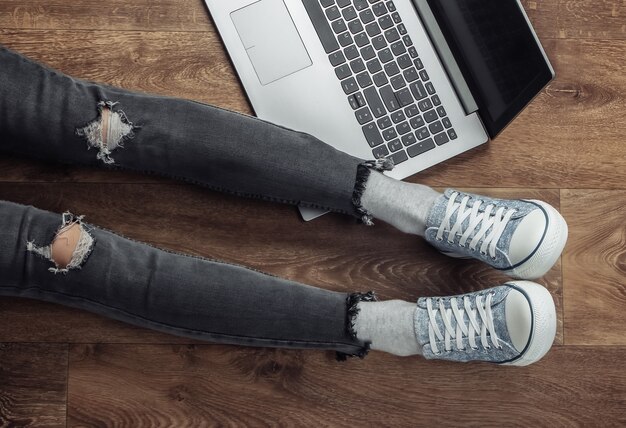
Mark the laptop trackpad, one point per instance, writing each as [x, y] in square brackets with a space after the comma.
[270, 37]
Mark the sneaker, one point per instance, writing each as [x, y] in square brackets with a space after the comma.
[512, 324]
[522, 238]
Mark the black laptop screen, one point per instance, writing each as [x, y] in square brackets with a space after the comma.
[497, 53]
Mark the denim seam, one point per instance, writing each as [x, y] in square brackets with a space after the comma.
[314, 344]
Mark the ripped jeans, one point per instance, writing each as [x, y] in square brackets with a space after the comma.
[46, 114]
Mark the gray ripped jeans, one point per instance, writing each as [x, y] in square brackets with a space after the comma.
[46, 114]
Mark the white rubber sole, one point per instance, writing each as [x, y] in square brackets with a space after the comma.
[549, 250]
[544, 323]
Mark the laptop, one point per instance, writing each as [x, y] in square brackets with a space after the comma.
[417, 81]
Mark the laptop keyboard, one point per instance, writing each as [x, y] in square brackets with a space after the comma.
[382, 75]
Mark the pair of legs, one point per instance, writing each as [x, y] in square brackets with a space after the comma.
[59, 258]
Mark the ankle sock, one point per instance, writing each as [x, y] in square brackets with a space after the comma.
[403, 205]
[388, 325]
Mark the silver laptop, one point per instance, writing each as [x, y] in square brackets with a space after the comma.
[418, 81]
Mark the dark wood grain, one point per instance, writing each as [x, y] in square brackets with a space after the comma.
[333, 252]
[32, 384]
[595, 267]
[132, 385]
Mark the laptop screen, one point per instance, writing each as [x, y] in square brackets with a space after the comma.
[497, 53]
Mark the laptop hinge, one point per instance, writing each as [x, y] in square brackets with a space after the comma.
[445, 54]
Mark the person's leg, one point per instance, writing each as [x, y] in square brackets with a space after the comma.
[61, 259]
[49, 115]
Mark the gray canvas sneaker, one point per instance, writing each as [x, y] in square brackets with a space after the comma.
[522, 238]
[512, 324]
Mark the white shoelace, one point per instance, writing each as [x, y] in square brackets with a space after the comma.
[495, 221]
[460, 330]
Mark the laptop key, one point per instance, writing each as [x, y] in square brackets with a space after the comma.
[349, 86]
[391, 68]
[398, 157]
[421, 147]
[357, 65]
[385, 22]
[407, 40]
[359, 99]
[339, 26]
[417, 122]
[435, 127]
[425, 105]
[374, 101]
[452, 134]
[355, 26]
[343, 71]
[336, 58]
[379, 42]
[349, 13]
[372, 135]
[363, 115]
[366, 16]
[422, 133]
[364, 79]
[446, 122]
[384, 122]
[343, 3]
[430, 116]
[435, 99]
[401, 29]
[392, 35]
[389, 98]
[418, 64]
[424, 75]
[385, 55]
[398, 48]
[345, 39]
[389, 134]
[323, 30]
[397, 117]
[409, 139]
[411, 74]
[418, 90]
[404, 61]
[441, 138]
[379, 9]
[441, 111]
[394, 145]
[398, 82]
[361, 39]
[391, 6]
[353, 102]
[333, 13]
[396, 17]
[368, 53]
[373, 29]
[413, 52]
[380, 152]
[404, 97]
[374, 66]
[351, 52]
[360, 4]
[430, 88]
[380, 79]
[327, 3]
[411, 110]
[403, 128]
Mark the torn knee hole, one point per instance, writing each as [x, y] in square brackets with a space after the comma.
[108, 132]
[69, 248]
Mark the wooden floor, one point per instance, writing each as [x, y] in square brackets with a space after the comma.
[61, 366]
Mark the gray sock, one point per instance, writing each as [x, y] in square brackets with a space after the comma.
[388, 325]
[403, 205]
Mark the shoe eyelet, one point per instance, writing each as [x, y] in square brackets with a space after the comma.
[494, 258]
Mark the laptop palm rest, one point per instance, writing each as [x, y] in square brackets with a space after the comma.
[271, 40]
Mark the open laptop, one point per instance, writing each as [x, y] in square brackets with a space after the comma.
[418, 81]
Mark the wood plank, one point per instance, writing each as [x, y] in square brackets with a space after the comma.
[604, 19]
[33, 385]
[332, 252]
[132, 385]
[574, 129]
[594, 265]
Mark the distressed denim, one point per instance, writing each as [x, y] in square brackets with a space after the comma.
[48, 115]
